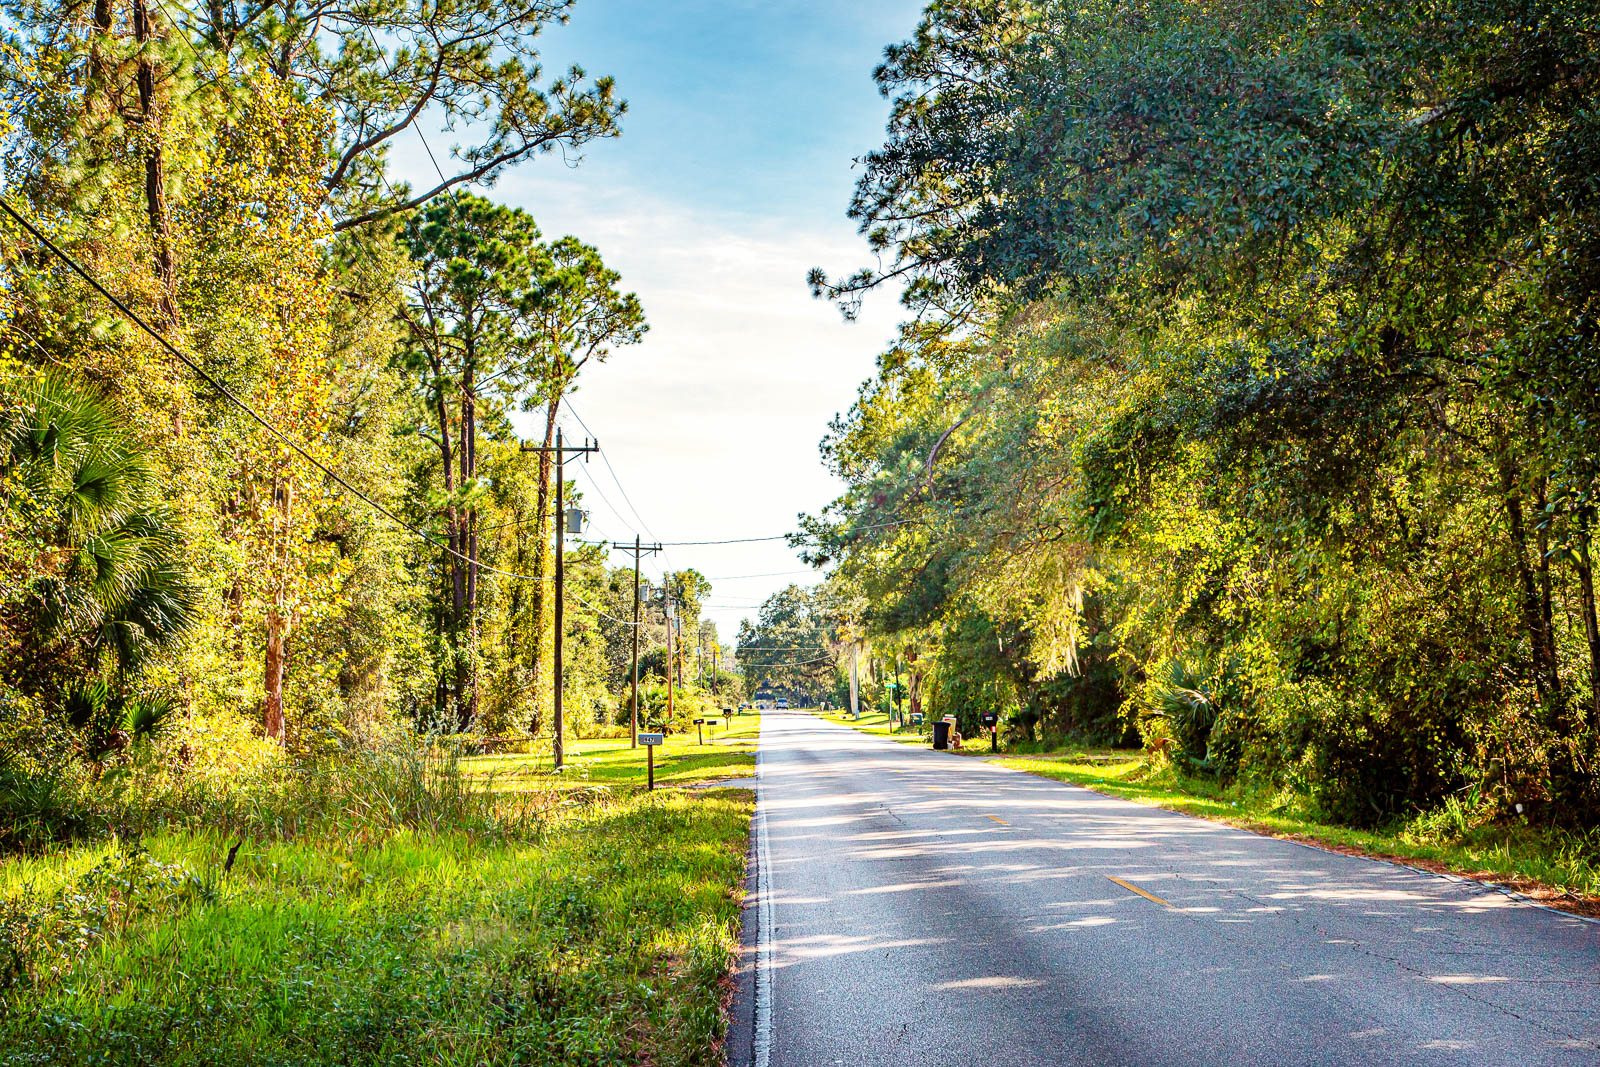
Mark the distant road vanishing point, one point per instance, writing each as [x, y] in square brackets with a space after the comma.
[923, 909]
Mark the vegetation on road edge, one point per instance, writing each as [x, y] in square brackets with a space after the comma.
[419, 917]
[1249, 406]
[609, 764]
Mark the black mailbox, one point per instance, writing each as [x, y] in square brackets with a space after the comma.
[990, 718]
[699, 722]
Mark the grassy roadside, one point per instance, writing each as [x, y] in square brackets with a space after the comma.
[877, 722]
[729, 752]
[1556, 868]
[599, 930]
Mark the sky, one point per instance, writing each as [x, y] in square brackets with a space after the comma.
[730, 180]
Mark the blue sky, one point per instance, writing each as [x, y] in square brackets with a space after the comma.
[730, 180]
[738, 106]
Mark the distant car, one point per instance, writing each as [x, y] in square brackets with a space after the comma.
[781, 703]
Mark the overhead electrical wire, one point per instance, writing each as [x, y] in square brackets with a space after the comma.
[228, 395]
[339, 479]
[612, 470]
[784, 537]
[379, 508]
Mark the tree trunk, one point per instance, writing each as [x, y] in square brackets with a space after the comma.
[155, 181]
[97, 98]
[1546, 680]
[272, 718]
[277, 643]
[541, 559]
[452, 560]
[1542, 568]
[1590, 628]
[469, 537]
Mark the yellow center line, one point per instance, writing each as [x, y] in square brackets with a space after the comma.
[997, 819]
[1130, 887]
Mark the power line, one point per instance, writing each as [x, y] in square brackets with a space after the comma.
[782, 648]
[595, 484]
[599, 611]
[226, 393]
[768, 574]
[785, 537]
[612, 471]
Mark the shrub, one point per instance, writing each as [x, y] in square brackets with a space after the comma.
[1368, 764]
[43, 935]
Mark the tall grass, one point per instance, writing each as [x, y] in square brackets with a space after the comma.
[605, 941]
[358, 797]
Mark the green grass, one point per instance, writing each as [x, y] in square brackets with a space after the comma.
[878, 722]
[605, 938]
[1553, 865]
[729, 751]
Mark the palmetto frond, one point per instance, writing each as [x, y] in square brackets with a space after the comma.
[115, 583]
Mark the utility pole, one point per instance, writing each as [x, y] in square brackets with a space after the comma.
[666, 593]
[633, 724]
[558, 744]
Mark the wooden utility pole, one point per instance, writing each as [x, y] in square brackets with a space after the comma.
[667, 592]
[558, 743]
[633, 716]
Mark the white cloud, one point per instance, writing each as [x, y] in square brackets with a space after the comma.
[713, 421]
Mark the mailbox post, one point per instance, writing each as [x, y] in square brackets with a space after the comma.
[650, 741]
[700, 730]
[992, 721]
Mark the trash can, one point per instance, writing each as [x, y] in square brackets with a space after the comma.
[941, 734]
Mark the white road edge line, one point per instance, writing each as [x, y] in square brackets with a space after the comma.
[761, 1031]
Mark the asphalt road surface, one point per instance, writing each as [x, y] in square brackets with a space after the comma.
[925, 908]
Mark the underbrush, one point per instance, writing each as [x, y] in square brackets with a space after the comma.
[361, 795]
[603, 938]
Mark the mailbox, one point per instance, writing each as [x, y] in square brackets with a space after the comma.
[651, 740]
[699, 722]
[989, 719]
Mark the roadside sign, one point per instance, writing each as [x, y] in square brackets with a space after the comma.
[650, 741]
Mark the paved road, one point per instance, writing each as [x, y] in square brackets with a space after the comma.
[924, 908]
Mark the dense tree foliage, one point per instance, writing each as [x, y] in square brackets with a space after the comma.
[1252, 396]
[311, 524]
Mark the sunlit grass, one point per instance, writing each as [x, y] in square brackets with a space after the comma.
[599, 932]
[728, 752]
[878, 722]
